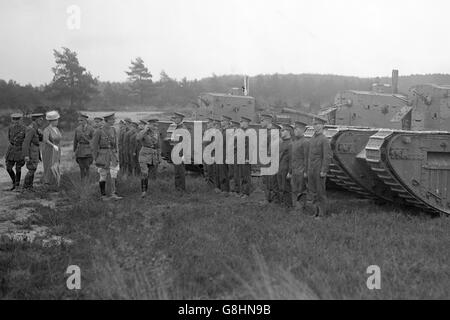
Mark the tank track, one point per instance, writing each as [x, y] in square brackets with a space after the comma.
[376, 158]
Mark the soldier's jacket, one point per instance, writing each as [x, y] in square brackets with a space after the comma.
[319, 154]
[133, 143]
[30, 147]
[16, 136]
[300, 153]
[82, 141]
[126, 144]
[104, 147]
[122, 132]
[269, 140]
[285, 156]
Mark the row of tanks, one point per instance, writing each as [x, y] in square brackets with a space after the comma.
[386, 145]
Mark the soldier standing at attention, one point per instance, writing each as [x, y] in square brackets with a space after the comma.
[127, 150]
[208, 169]
[224, 177]
[82, 146]
[300, 152]
[318, 162]
[104, 152]
[284, 170]
[122, 128]
[125, 143]
[14, 154]
[245, 169]
[234, 168]
[180, 179]
[149, 155]
[270, 181]
[30, 148]
[133, 149]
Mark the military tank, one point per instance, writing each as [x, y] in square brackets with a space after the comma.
[408, 160]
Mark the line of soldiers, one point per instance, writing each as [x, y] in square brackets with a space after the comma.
[303, 165]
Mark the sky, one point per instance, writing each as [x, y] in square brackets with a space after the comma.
[196, 38]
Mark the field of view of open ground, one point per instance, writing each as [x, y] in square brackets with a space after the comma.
[203, 245]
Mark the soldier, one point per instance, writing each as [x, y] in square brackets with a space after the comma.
[30, 148]
[132, 151]
[300, 152]
[149, 155]
[234, 168]
[122, 128]
[245, 169]
[179, 170]
[223, 175]
[208, 169]
[82, 146]
[104, 152]
[14, 154]
[318, 162]
[270, 181]
[127, 149]
[284, 169]
[216, 166]
[123, 146]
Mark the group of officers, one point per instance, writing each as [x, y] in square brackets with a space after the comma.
[303, 165]
[135, 151]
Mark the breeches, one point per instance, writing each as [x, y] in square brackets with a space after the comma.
[103, 172]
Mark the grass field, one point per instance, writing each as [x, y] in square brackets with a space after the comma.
[203, 245]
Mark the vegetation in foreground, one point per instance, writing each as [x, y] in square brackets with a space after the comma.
[206, 246]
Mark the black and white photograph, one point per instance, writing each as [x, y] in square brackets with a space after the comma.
[224, 156]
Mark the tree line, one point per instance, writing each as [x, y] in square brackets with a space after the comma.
[74, 88]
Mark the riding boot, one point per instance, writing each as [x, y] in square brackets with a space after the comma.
[18, 177]
[102, 185]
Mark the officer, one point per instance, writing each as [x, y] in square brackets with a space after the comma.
[234, 168]
[122, 128]
[216, 166]
[14, 154]
[105, 154]
[149, 155]
[284, 169]
[224, 179]
[82, 146]
[30, 148]
[245, 169]
[300, 151]
[270, 181]
[179, 170]
[318, 162]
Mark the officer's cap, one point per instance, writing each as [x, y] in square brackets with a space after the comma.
[246, 119]
[134, 123]
[127, 120]
[236, 123]
[226, 118]
[142, 121]
[82, 116]
[109, 116]
[178, 115]
[266, 116]
[98, 118]
[16, 116]
[35, 116]
[152, 120]
[299, 123]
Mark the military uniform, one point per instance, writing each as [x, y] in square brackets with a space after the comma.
[208, 169]
[30, 149]
[271, 181]
[122, 132]
[299, 164]
[14, 155]
[82, 148]
[105, 154]
[149, 156]
[223, 173]
[244, 174]
[318, 162]
[127, 151]
[179, 169]
[284, 183]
